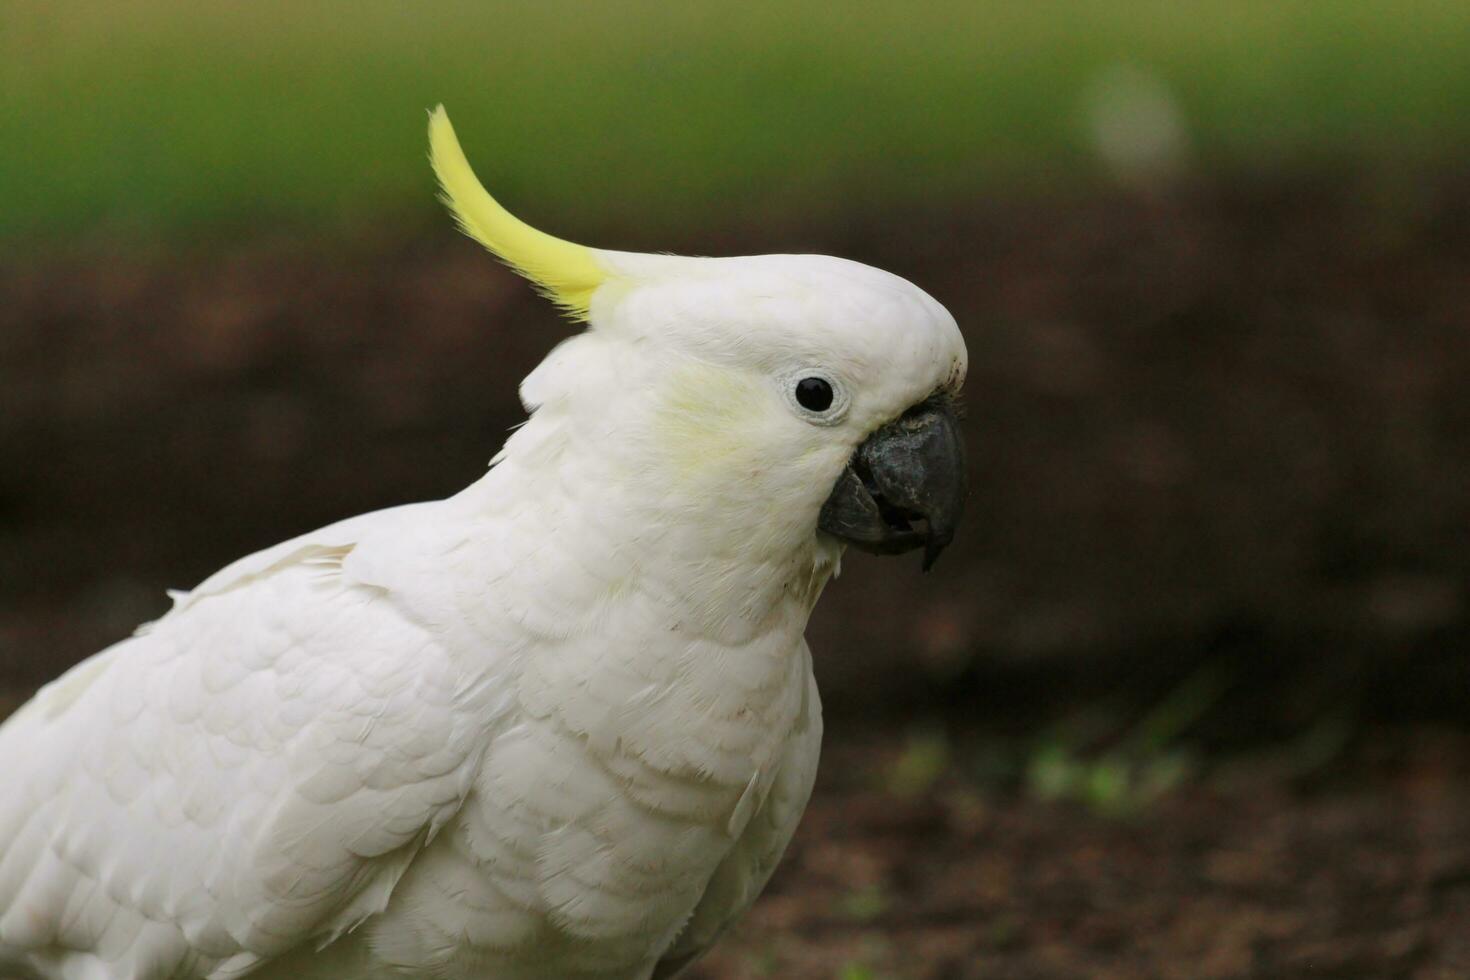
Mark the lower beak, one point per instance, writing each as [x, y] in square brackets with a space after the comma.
[904, 487]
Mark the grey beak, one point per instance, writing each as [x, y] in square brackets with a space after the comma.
[904, 487]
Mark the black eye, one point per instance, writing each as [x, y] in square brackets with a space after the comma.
[814, 394]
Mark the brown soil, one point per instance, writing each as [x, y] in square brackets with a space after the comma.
[1364, 875]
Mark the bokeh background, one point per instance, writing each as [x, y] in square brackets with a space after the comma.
[1186, 699]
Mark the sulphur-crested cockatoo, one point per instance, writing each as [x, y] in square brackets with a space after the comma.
[559, 725]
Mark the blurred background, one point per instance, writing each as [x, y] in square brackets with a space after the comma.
[1188, 698]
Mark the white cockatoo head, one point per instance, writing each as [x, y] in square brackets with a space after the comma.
[793, 400]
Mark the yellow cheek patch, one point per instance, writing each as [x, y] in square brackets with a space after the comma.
[713, 423]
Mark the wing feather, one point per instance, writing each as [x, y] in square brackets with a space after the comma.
[252, 774]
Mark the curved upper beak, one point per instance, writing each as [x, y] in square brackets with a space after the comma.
[904, 487]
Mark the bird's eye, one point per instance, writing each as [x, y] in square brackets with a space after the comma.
[814, 394]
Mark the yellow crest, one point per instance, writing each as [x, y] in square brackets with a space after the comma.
[565, 272]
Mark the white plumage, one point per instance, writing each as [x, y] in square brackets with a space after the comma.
[561, 724]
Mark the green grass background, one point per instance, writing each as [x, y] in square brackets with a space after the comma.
[164, 117]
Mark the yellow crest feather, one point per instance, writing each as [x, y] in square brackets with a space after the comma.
[566, 272]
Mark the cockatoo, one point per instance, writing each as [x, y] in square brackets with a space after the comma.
[561, 724]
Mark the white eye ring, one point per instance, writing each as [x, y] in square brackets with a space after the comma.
[791, 383]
